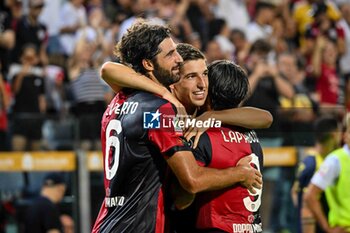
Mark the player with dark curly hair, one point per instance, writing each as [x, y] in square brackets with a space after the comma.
[139, 152]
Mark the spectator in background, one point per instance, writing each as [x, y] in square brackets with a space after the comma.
[7, 37]
[30, 30]
[93, 31]
[4, 104]
[260, 27]
[213, 51]
[139, 8]
[88, 92]
[241, 44]
[174, 14]
[117, 10]
[303, 18]
[327, 138]
[220, 32]
[299, 112]
[324, 62]
[50, 17]
[279, 38]
[345, 58]
[27, 83]
[43, 215]
[72, 17]
[195, 40]
[267, 86]
[224, 8]
[332, 179]
[199, 14]
[324, 26]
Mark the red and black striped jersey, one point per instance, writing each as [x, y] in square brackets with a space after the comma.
[135, 144]
[233, 209]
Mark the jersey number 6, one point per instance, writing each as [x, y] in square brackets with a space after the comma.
[112, 141]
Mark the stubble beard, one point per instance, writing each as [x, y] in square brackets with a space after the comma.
[165, 77]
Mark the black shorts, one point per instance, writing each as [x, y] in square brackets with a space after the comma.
[27, 126]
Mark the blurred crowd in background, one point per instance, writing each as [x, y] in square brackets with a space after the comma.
[296, 52]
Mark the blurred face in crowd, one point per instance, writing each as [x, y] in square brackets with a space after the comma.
[255, 58]
[287, 65]
[55, 192]
[213, 52]
[238, 40]
[30, 57]
[35, 8]
[192, 88]
[139, 6]
[324, 22]
[330, 53]
[268, 14]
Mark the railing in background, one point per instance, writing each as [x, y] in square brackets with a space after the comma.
[37, 161]
[84, 163]
[28, 168]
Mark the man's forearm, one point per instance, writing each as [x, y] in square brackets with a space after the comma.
[194, 178]
[312, 200]
[248, 117]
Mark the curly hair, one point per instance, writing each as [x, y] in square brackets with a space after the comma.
[229, 85]
[141, 41]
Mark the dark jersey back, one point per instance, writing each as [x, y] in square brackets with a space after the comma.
[233, 209]
[134, 147]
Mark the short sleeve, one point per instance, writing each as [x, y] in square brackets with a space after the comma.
[328, 173]
[166, 137]
[306, 170]
[203, 152]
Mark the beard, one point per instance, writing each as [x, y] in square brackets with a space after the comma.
[165, 77]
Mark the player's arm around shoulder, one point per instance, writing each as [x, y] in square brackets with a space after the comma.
[194, 178]
[118, 76]
[247, 117]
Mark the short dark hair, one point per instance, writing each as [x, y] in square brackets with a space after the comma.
[53, 178]
[238, 32]
[228, 85]
[141, 41]
[261, 46]
[189, 52]
[215, 27]
[263, 5]
[323, 127]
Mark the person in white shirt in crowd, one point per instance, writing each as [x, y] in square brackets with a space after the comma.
[72, 17]
[224, 8]
[260, 27]
[50, 17]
